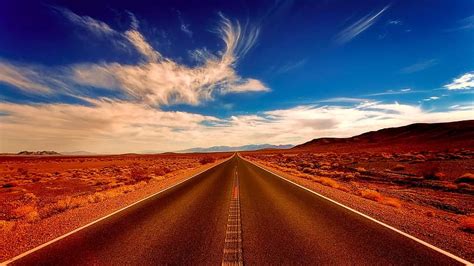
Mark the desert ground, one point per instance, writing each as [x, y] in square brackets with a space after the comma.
[43, 197]
[427, 193]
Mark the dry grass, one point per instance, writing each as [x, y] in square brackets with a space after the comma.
[329, 182]
[139, 174]
[207, 159]
[467, 224]
[431, 171]
[393, 202]
[36, 188]
[399, 167]
[6, 226]
[27, 212]
[372, 195]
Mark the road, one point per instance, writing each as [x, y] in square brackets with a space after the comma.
[278, 223]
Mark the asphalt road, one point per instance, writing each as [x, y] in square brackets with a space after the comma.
[280, 224]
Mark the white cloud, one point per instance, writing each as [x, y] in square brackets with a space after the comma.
[464, 82]
[157, 80]
[432, 98]
[358, 27]
[118, 126]
[247, 85]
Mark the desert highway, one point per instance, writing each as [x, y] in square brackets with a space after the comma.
[235, 213]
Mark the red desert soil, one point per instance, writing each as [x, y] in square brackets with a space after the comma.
[418, 178]
[42, 197]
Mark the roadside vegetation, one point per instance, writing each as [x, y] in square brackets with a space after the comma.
[35, 188]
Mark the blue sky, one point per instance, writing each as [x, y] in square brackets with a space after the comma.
[111, 76]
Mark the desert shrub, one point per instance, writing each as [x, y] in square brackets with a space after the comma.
[307, 170]
[372, 195]
[360, 169]
[9, 185]
[450, 186]
[6, 226]
[431, 171]
[464, 186]
[467, 224]
[329, 182]
[206, 160]
[430, 214]
[161, 171]
[392, 202]
[345, 189]
[420, 157]
[466, 178]
[22, 171]
[139, 174]
[349, 176]
[68, 203]
[27, 212]
[399, 167]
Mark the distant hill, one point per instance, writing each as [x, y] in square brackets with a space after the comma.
[38, 153]
[77, 153]
[414, 137]
[252, 147]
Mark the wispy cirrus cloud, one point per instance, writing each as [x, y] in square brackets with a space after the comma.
[464, 24]
[291, 66]
[393, 92]
[23, 78]
[95, 26]
[156, 80]
[359, 26]
[184, 27]
[395, 22]
[464, 82]
[420, 66]
[344, 100]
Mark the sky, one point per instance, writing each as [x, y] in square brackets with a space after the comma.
[134, 76]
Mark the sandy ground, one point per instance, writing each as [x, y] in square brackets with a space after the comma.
[421, 212]
[24, 234]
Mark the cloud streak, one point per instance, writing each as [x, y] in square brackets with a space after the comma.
[361, 25]
[95, 26]
[420, 66]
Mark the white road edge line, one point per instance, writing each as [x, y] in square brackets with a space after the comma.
[104, 217]
[444, 252]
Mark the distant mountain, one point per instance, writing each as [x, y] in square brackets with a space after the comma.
[414, 137]
[38, 153]
[77, 153]
[252, 147]
[150, 152]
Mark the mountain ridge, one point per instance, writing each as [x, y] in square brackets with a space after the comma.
[426, 136]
